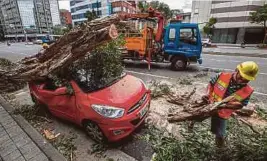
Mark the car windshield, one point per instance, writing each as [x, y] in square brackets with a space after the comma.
[87, 85]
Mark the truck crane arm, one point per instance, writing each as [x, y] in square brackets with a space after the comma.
[152, 13]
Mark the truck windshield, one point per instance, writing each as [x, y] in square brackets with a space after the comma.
[87, 85]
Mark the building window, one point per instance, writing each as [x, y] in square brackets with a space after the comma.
[116, 9]
[96, 5]
[73, 2]
[196, 11]
[172, 34]
[78, 16]
[72, 10]
[99, 13]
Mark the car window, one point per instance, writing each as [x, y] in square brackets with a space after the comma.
[83, 81]
[188, 35]
[172, 34]
[52, 85]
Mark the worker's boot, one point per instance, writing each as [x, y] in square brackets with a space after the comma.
[220, 142]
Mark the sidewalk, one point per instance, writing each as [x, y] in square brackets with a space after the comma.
[15, 144]
[234, 51]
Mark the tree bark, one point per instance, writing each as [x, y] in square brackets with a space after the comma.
[70, 47]
[199, 113]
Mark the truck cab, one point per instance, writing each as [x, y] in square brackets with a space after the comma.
[182, 44]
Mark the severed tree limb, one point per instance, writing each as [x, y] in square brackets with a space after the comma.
[200, 113]
[70, 47]
[246, 123]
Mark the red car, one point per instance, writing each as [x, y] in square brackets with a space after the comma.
[109, 112]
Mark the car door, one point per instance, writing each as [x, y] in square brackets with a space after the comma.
[60, 102]
[188, 40]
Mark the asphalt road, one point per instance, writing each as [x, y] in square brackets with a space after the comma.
[18, 51]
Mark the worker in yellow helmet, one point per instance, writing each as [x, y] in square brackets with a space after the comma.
[226, 84]
[45, 46]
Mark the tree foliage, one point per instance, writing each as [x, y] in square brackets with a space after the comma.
[260, 17]
[242, 144]
[160, 6]
[100, 66]
[209, 27]
[91, 15]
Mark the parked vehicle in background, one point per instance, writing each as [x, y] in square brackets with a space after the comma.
[38, 41]
[109, 111]
[206, 42]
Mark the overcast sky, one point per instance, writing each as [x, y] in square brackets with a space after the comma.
[174, 4]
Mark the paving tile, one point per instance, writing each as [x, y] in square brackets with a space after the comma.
[2, 133]
[10, 125]
[29, 150]
[6, 142]
[20, 137]
[22, 142]
[5, 118]
[21, 158]
[4, 139]
[12, 156]
[39, 157]
[16, 130]
[7, 149]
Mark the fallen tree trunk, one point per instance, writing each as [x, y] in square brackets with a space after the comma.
[70, 47]
[198, 114]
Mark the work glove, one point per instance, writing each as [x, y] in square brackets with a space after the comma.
[206, 99]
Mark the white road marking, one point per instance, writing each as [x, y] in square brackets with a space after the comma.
[158, 76]
[152, 75]
[225, 69]
[233, 56]
[235, 61]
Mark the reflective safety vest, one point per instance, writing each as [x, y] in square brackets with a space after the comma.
[219, 91]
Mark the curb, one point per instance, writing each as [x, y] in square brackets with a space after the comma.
[36, 137]
[237, 54]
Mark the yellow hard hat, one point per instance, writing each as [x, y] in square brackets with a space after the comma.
[248, 70]
[45, 45]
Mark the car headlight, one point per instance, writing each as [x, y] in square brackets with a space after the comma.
[108, 111]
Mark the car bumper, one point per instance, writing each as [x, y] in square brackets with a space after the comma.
[120, 128]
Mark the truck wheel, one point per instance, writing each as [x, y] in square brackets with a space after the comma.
[94, 132]
[179, 63]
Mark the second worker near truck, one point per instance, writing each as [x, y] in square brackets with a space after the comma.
[224, 85]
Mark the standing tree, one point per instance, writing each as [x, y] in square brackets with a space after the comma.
[91, 15]
[260, 17]
[160, 6]
[143, 6]
[209, 27]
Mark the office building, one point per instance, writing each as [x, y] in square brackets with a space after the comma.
[233, 24]
[200, 12]
[65, 17]
[80, 7]
[22, 17]
[123, 7]
[100, 7]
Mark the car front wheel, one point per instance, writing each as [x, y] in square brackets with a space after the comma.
[94, 132]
